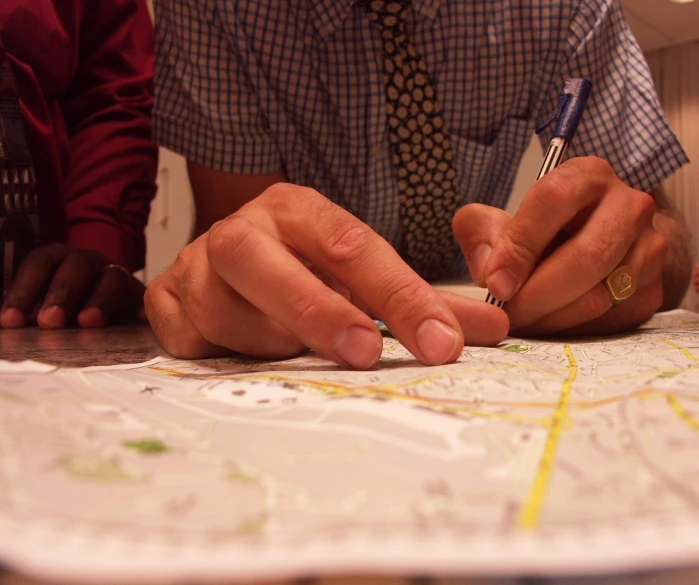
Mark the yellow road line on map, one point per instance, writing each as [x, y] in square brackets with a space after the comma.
[378, 389]
[386, 392]
[684, 350]
[529, 516]
[682, 412]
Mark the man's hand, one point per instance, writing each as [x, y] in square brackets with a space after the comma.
[57, 284]
[573, 228]
[288, 271]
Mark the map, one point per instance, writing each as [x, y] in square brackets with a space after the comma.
[570, 456]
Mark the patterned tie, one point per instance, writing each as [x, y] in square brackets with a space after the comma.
[423, 161]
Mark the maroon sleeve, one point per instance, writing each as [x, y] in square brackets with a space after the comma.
[107, 108]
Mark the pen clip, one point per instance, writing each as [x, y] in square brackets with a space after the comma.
[569, 108]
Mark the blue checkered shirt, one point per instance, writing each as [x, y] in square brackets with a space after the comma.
[256, 86]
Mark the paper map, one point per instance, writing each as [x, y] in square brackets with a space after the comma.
[541, 457]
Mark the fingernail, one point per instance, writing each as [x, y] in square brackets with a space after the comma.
[51, 317]
[502, 284]
[436, 341]
[477, 259]
[359, 347]
[91, 317]
[12, 318]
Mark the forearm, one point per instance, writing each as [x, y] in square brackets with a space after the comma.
[677, 269]
[218, 194]
[110, 186]
[107, 109]
[111, 219]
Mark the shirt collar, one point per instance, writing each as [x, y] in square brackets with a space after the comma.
[329, 14]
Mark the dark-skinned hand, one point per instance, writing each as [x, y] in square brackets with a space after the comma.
[59, 285]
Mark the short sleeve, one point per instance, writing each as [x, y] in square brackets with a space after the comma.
[623, 122]
[205, 107]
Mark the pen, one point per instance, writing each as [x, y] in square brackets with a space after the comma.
[567, 114]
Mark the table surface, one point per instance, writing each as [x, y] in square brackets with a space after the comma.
[80, 347]
[136, 343]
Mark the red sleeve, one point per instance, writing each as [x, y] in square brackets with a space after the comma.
[107, 109]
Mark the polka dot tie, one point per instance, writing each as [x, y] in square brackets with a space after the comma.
[422, 157]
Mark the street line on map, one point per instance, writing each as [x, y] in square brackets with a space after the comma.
[684, 350]
[531, 510]
[682, 412]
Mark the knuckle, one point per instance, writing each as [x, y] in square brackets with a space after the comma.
[207, 318]
[598, 168]
[199, 310]
[309, 306]
[230, 240]
[172, 329]
[517, 245]
[645, 205]
[405, 294]
[193, 291]
[278, 192]
[346, 242]
[182, 268]
[555, 190]
[284, 200]
[276, 198]
[593, 254]
[183, 258]
[582, 174]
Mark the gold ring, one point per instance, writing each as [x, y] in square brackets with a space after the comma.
[118, 267]
[621, 284]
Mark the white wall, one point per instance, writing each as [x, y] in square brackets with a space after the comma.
[528, 169]
[172, 215]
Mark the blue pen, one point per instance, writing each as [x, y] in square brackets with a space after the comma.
[567, 114]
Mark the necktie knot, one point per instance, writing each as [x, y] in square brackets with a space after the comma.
[386, 13]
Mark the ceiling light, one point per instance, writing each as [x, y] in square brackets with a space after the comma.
[682, 1]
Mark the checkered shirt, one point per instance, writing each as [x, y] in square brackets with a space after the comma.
[256, 86]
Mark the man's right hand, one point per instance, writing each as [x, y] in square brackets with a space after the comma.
[289, 271]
